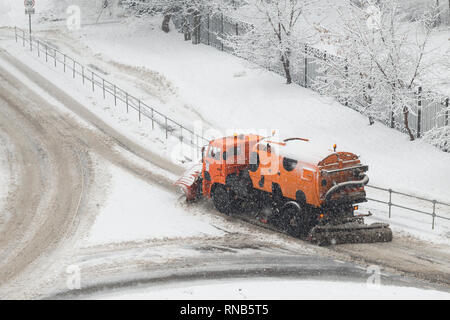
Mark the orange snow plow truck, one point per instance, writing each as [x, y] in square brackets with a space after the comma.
[290, 185]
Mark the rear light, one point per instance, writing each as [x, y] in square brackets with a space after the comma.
[355, 208]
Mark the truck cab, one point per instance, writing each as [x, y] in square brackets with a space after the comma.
[224, 157]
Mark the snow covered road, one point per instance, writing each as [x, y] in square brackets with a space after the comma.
[59, 162]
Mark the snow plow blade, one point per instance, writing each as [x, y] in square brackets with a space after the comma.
[189, 182]
[351, 232]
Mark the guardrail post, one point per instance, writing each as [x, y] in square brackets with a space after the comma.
[23, 38]
[167, 130]
[434, 213]
[390, 202]
[74, 67]
[38, 48]
[115, 95]
[126, 99]
[15, 33]
[46, 53]
[139, 108]
[93, 81]
[54, 56]
[82, 72]
[181, 133]
[64, 63]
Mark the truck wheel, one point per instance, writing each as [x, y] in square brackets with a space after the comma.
[222, 199]
[292, 219]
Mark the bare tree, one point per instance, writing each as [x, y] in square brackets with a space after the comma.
[384, 61]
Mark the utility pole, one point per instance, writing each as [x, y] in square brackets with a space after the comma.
[29, 10]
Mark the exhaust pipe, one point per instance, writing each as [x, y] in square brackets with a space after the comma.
[364, 181]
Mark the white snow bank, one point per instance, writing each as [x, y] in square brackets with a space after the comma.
[273, 289]
[136, 210]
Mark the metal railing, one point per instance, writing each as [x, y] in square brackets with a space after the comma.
[169, 126]
[433, 204]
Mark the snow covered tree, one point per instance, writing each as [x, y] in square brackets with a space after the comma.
[384, 61]
[276, 37]
[183, 8]
[440, 136]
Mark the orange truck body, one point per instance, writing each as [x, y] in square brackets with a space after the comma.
[298, 187]
[294, 168]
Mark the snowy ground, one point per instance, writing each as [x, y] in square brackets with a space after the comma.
[217, 84]
[271, 289]
[7, 176]
[136, 210]
[176, 78]
[199, 83]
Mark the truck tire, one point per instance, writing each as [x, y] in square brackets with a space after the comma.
[293, 220]
[222, 199]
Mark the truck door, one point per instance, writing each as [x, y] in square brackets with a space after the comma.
[213, 168]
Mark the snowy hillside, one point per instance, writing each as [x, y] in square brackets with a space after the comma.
[226, 95]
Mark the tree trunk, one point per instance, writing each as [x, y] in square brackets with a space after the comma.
[165, 24]
[406, 122]
[196, 28]
[287, 68]
[186, 29]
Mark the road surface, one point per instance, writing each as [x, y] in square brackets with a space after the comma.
[58, 160]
